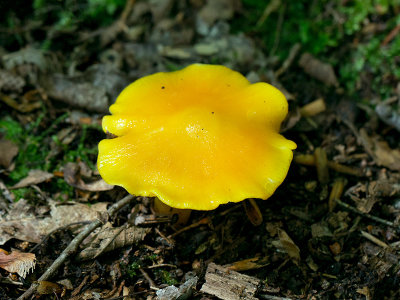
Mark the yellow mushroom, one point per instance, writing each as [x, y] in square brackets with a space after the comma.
[196, 138]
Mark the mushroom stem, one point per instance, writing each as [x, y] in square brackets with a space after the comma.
[253, 212]
[161, 208]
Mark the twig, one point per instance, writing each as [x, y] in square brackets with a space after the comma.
[289, 60]
[109, 33]
[203, 221]
[73, 246]
[278, 30]
[153, 286]
[269, 9]
[270, 297]
[161, 265]
[167, 239]
[392, 34]
[374, 239]
[355, 210]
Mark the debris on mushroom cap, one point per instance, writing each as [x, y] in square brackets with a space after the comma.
[197, 138]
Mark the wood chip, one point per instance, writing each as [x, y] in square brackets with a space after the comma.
[229, 285]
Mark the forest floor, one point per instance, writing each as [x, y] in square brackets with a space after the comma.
[330, 231]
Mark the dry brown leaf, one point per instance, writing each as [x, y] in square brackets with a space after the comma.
[110, 238]
[8, 150]
[318, 69]
[17, 262]
[47, 288]
[72, 175]
[248, 264]
[380, 151]
[286, 244]
[21, 222]
[34, 177]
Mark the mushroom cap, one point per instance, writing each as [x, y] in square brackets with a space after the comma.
[196, 138]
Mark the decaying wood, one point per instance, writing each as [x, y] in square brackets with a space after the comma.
[229, 285]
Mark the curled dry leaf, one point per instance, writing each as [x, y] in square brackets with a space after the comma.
[286, 244]
[109, 239]
[17, 262]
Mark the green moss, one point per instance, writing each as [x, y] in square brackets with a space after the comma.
[34, 145]
[166, 277]
[333, 32]
[132, 269]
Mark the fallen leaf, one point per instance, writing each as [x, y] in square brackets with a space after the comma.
[111, 238]
[380, 151]
[248, 264]
[34, 177]
[319, 230]
[73, 173]
[8, 150]
[21, 223]
[47, 288]
[318, 69]
[17, 262]
[286, 244]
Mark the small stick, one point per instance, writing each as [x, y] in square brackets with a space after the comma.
[161, 266]
[153, 286]
[203, 221]
[270, 297]
[355, 210]
[168, 240]
[374, 239]
[73, 246]
[289, 60]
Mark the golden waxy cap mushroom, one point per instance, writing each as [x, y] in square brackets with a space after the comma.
[196, 138]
